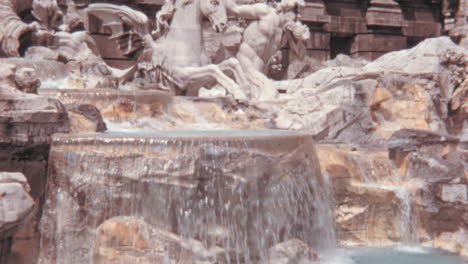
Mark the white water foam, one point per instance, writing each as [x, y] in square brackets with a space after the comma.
[413, 249]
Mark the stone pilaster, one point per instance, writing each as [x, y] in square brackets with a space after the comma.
[460, 26]
[384, 13]
[372, 46]
[384, 20]
[314, 11]
[315, 15]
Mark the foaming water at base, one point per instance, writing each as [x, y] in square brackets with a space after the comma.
[400, 254]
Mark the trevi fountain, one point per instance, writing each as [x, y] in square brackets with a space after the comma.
[223, 131]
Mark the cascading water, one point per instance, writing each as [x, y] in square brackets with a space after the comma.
[241, 190]
[408, 224]
[384, 175]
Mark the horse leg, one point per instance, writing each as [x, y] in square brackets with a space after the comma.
[261, 87]
[233, 65]
[211, 70]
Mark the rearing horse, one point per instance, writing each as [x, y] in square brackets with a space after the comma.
[176, 59]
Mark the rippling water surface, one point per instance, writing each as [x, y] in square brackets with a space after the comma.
[391, 255]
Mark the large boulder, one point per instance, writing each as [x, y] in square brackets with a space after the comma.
[132, 240]
[292, 251]
[15, 206]
[85, 118]
[15, 202]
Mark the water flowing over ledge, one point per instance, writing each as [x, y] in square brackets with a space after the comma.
[242, 191]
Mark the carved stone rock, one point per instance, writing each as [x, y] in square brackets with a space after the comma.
[132, 240]
[292, 251]
[423, 200]
[85, 118]
[398, 90]
[15, 206]
[15, 202]
[28, 119]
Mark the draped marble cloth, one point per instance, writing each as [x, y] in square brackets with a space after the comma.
[12, 27]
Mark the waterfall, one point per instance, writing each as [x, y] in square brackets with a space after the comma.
[385, 176]
[240, 190]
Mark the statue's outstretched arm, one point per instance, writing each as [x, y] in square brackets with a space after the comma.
[255, 11]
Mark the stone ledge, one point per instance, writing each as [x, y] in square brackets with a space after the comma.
[27, 119]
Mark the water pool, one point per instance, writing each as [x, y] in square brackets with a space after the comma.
[390, 255]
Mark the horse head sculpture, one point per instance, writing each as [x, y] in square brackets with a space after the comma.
[172, 56]
[215, 11]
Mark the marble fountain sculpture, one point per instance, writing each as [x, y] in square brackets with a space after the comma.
[220, 196]
[173, 58]
[144, 192]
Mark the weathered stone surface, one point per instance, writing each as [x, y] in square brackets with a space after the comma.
[85, 118]
[28, 119]
[150, 110]
[342, 60]
[441, 205]
[372, 46]
[132, 240]
[291, 251]
[421, 199]
[369, 215]
[409, 89]
[454, 193]
[369, 209]
[26, 123]
[407, 140]
[384, 13]
[15, 206]
[15, 202]
[453, 242]
[22, 78]
[459, 26]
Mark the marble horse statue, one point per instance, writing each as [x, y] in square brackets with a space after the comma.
[173, 55]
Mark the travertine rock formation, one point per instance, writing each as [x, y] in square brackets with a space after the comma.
[155, 110]
[85, 118]
[291, 251]
[122, 240]
[416, 192]
[441, 204]
[406, 89]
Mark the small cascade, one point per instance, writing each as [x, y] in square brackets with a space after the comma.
[384, 175]
[408, 223]
[240, 190]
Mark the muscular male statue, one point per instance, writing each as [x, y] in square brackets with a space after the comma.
[264, 37]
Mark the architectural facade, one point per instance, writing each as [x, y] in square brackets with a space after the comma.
[359, 28]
